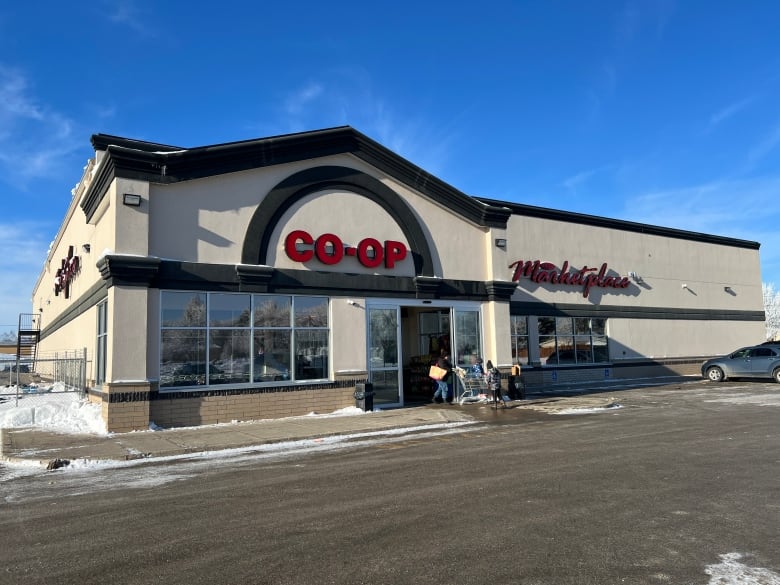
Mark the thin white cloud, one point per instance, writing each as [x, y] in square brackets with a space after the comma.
[126, 13]
[14, 99]
[575, 181]
[763, 148]
[35, 140]
[731, 110]
[638, 20]
[628, 23]
[21, 268]
[347, 96]
[296, 103]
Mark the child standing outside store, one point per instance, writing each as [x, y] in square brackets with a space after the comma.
[476, 369]
[493, 377]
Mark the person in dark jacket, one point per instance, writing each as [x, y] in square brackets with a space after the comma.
[493, 378]
[442, 386]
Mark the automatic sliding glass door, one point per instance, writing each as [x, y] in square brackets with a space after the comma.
[384, 370]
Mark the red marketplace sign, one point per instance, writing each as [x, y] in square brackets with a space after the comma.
[66, 273]
[329, 249]
[586, 277]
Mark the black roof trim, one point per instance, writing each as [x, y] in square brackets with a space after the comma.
[103, 141]
[619, 224]
[159, 163]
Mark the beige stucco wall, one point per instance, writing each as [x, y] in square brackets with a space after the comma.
[213, 214]
[664, 264]
[348, 334]
[663, 338]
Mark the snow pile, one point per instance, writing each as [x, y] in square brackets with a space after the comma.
[731, 570]
[50, 408]
[54, 409]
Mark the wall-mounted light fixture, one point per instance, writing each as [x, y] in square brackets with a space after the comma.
[685, 285]
[86, 248]
[728, 289]
[501, 243]
[635, 277]
[131, 199]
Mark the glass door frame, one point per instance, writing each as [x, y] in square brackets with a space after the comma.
[380, 306]
[451, 306]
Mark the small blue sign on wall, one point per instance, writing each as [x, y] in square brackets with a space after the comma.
[606, 373]
[554, 376]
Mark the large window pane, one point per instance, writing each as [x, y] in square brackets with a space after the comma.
[228, 356]
[384, 338]
[228, 310]
[546, 325]
[272, 311]
[563, 326]
[467, 335]
[102, 343]
[311, 354]
[600, 350]
[272, 355]
[183, 357]
[183, 309]
[565, 353]
[584, 352]
[519, 334]
[311, 311]
[582, 326]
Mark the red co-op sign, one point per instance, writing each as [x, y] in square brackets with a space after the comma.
[330, 249]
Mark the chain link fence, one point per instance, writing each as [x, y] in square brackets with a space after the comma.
[57, 372]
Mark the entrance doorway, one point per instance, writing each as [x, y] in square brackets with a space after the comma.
[404, 340]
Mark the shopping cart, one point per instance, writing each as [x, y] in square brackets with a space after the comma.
[472, 388]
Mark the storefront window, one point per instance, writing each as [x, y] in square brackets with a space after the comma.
[568, 341]
[237, 339]
[102, 342]
[519, 332]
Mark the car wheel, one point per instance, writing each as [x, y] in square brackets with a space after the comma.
[776, 375]
[715, 374]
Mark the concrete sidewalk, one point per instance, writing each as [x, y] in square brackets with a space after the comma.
[47, 447]
[51, 449]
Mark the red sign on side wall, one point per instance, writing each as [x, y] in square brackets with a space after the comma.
[586, 277]
[66, 273]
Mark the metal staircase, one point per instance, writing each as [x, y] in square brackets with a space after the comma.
[27, 339]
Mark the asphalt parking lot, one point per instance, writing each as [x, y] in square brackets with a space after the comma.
[673, 484]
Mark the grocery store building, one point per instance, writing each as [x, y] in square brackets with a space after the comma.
[271, 277]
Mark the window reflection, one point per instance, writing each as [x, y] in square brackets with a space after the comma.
[245, 339]
[572, 340]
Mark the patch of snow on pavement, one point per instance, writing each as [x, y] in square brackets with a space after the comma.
[757, 399]
[84, 476]
[587, 410]
[729, 571]
[52, 409]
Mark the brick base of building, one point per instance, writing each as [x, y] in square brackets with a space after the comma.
[208, 410]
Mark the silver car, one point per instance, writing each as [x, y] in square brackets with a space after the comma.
[758, 361]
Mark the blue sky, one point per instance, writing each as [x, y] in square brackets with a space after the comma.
[659, 112]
